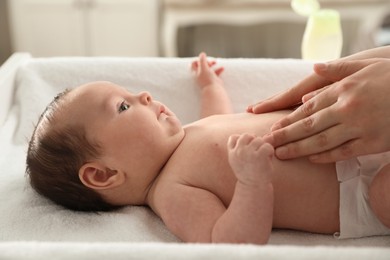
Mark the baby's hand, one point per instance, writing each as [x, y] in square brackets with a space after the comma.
[205, 74]
[251, 159]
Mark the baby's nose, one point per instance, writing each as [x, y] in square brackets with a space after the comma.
[145, 98]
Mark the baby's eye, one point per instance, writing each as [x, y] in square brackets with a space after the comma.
[123, 106]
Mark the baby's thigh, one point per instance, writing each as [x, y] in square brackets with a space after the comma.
[379, 195]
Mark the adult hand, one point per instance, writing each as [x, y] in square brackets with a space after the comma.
[348, 118]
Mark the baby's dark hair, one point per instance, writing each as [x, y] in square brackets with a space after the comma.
[55, 154]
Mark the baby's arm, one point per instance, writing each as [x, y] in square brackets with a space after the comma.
[214, 99]
[199, 215]
[250, 213]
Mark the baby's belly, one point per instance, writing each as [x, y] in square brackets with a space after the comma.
[258, 124]
[306, 194]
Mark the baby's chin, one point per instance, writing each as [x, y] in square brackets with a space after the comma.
[175, 126]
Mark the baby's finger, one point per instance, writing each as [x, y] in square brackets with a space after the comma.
[203, 61]
[211, 63]
[232, 141]
[245, 139]
[194, 65]
[219, 71]
[256, 143]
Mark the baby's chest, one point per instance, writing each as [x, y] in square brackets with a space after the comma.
[203, 163]
[205, 147]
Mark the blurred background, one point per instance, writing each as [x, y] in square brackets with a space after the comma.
[178, 28]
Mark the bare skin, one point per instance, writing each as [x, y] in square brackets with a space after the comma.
[306, 195]
[215, 180]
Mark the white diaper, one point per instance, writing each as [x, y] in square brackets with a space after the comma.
[356, 216]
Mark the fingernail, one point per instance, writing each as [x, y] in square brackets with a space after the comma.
[320, 66]
[314, 158]
[249, 108]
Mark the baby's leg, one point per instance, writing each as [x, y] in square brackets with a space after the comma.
[379, 195]
[251, 159]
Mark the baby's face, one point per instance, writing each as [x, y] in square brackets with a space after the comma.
[133, 129]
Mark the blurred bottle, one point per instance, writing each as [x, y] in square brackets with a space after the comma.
[323, 38]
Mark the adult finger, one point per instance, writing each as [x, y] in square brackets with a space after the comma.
[314, 93]
[304, 128]
[318, 143]
[345, 151]
[335, 71]
[338, 70]
[290, 97]
[323, 100]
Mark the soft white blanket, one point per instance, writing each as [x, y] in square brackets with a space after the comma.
[27, 217]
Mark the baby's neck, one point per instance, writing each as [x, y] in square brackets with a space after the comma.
[151, 191]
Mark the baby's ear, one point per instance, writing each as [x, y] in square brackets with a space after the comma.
[98, 177]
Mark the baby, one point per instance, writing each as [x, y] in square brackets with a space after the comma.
[98, 147]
